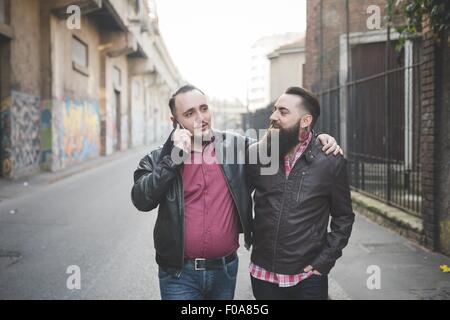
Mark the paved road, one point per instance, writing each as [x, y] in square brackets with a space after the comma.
[85, 218]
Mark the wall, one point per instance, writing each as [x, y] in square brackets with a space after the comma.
[19, 111]
[443, 149]
[52, 116]
[327, 38]
[75, 131]
[138, 110]
[21, 137]
[70, 118]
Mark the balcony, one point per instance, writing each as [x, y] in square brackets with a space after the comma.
[108, 14]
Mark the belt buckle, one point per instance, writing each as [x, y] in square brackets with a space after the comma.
[198, 268]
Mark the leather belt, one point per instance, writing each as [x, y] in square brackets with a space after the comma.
[202, 264]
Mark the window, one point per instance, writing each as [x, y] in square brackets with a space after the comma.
[79, 53]
[117, 77]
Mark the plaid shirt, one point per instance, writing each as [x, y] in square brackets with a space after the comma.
[301, 148]
[283, 280]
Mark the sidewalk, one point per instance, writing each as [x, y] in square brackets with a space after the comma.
[407, 270]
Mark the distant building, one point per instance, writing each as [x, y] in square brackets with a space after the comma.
[258, 91]
[227, 114]
[286, 67]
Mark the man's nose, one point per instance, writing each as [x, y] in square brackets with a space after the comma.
[199, 119]
[274, 116]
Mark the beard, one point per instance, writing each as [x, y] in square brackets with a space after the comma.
[286, 139]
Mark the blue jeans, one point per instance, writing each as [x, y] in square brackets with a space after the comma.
[216, 284]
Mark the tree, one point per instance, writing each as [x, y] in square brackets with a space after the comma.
[436, 11]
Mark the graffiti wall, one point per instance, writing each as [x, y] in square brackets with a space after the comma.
[20, 117]
[52, 134]
[75, 133]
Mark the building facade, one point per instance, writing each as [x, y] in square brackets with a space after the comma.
[74, 90]
[286, 67]
[390, 108]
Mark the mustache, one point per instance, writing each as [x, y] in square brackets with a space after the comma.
[274, 125]
[204, 123]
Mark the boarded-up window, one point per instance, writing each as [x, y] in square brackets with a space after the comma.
[79, 52]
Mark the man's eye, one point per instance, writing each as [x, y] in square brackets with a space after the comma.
[188, 114]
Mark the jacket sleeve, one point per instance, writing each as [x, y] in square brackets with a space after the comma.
[152, 180]
[342, 218]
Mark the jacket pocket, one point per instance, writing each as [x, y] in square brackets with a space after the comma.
[299, 191]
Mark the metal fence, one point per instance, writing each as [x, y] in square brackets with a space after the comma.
[382, 117]
[376, 116]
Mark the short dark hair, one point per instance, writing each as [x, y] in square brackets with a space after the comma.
[310, 102]
[183, 89]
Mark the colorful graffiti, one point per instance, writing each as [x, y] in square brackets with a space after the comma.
[75, 131]
[20, 117]
[52, 134]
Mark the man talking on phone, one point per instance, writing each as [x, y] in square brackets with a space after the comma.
[203, 203]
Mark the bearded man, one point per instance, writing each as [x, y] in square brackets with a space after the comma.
[293, 251]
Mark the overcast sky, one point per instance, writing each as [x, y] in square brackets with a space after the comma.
[209, 40]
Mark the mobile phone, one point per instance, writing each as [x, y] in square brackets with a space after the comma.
[177, 125]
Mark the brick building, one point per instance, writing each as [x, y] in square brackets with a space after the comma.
[390, 110]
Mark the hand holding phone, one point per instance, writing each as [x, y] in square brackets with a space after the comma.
[182, 138]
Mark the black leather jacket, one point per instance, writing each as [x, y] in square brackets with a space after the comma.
[157, 181]
[292, 215]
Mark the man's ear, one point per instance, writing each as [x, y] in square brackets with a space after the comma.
[306, 121]
[174, 122]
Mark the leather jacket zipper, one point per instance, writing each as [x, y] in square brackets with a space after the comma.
[278, 225]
